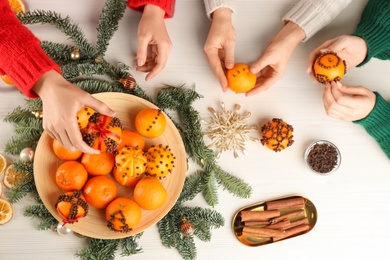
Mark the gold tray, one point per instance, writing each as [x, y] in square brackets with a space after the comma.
[309, 209]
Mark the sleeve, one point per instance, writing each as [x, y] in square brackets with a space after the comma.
[212, 5]
[313, 15]
[377, 123]
[21, 56]
[374, 28]
[167, 5]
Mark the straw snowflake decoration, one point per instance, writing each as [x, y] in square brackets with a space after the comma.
[228, 130]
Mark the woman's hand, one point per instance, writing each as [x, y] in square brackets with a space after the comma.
[352, 49]
[154, 44]
[220, 43]
[347, 102]
[61, 102]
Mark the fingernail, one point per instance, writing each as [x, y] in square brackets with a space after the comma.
[140, 62]
[338, 83]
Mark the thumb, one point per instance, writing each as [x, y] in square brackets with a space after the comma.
[350, 90]
[259, 65]
[142, 51]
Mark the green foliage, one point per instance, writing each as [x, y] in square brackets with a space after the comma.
[25, 185]
[130, 245]
[99, 249]
[47, 221]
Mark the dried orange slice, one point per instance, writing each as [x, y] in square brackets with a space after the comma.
[17, 6]
[7, 80]
[6, 211]
[3, 164]
[11, 176]
[1, 188]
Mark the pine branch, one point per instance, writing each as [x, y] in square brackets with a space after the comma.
[59, 52]
[86, 69]
[64, 24]
[130, 245]
[41, 212]
[33, 104]
[99, 249]
[187, 248]
[233, 184]
[25, 184]
[18, 115]
[108, 23]
[192, 186]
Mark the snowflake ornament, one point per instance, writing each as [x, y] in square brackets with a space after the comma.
[228, 130]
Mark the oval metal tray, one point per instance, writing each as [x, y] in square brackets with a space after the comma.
[310, 212]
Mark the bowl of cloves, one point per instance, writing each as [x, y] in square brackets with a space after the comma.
[322, 157]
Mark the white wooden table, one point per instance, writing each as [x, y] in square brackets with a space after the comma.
[353, 204]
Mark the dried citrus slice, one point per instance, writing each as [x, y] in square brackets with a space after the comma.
[6, 211]
[17, 6]
[1, 188]
[3, 164]
[11, 176]
[7, 80]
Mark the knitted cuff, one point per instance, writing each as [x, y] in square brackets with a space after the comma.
[377, 123]
[312, 16]
[167, 5]
[35, 63]
[374, 28]
[212, 5]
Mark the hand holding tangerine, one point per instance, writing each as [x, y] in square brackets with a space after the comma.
[240, 78]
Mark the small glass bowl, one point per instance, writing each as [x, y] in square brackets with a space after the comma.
[320, 142]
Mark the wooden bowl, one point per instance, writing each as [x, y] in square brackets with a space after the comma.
[94, 224]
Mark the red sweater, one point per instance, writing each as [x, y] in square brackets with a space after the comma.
[21, 56]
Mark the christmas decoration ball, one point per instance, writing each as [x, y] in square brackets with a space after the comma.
[26, 155]
[62, 230]
[75, 55]
[329, 67]
[187, 228]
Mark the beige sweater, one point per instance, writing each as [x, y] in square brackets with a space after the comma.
[310, 15]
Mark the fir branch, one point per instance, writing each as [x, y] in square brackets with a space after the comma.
[60, 53]
[233, 184]
[130, 245]
[187, 248]
[47, 221]
[18, 115]
[93, 86]
[192, 186]
[86, 69]
[17, 143]
[25, 184]
[64, 24]
[33, 104]
[209, 190]
[169, 228]
[99, 249]
[112, 12]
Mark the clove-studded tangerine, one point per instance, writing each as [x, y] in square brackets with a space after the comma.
[329, 67]
[160, 161]
[240, 78]
[150, 122]
[277, 135]
[71, 206]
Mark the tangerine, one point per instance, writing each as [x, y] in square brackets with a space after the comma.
[71, 175]
[329, 67]
[149, 193]
[17, 6]
[83, 116]
[160, 161]
[7, 80]
[99, 191]
[103, 132]
[98, 164]
[63, 153]
[131, 138]
[277, 135]
[123, 215]
[71, 206]
[124, 179]
[240, 78]
[150, 122]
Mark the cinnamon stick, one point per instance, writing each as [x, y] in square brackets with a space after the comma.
[304, 221]
[288, 216]
[249, 215]
[263, 232]
[286, 203]
[282, 225]
[292, 231]
[256, 223]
